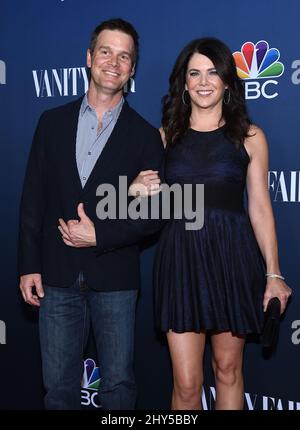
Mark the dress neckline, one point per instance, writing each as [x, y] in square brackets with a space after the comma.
[216, 130]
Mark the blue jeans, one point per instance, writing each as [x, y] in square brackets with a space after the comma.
[65, 316]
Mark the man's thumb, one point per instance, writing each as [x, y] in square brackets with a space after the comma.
[39, 287]
[80, 211]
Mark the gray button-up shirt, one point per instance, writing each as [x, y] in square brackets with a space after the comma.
[89, 140]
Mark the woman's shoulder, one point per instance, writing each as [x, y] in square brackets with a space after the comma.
[256, 140]
[255, 132]
[163, 136]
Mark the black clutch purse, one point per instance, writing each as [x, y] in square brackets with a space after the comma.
[271, 324]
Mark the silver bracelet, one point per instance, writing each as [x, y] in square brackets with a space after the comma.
[274, 275]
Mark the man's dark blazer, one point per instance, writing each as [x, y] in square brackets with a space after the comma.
[52, 190]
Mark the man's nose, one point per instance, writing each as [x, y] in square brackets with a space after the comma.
[113, 60]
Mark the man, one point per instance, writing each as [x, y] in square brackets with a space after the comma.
[73, 265]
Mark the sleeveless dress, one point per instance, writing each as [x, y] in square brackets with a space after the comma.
[212, 278]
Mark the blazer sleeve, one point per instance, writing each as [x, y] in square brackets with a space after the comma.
[32, 206]
[117, 233]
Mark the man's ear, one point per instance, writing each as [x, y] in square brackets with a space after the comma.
[132, 71]
[88, 58]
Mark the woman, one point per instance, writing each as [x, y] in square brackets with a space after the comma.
[217, 280]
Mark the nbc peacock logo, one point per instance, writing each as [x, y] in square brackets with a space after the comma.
[255, 62]
[91, 375]
[258, 61]
[90, 383]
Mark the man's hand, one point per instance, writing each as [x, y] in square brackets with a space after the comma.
[147, 183]
[27, 283]
[79, 234]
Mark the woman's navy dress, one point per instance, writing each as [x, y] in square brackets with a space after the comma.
[212, 278]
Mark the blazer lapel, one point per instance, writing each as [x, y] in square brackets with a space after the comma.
[113, 149]
[69, 133]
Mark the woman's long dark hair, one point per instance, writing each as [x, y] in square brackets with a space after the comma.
[176, 114]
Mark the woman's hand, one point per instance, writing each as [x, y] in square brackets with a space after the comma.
[147, 183]
[277, 288]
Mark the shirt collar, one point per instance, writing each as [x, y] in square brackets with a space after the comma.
[115, 112]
